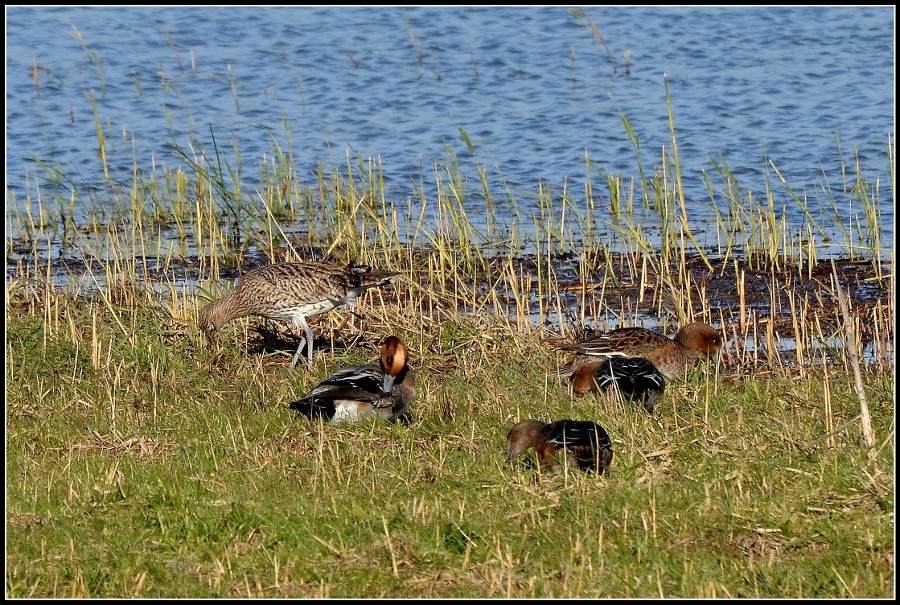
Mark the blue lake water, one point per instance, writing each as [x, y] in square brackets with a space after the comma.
[533, 87]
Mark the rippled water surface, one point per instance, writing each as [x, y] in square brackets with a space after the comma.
[534, 88]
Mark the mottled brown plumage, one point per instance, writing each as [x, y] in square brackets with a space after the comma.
[291, 292]
[673, 357]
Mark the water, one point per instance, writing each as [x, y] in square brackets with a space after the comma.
[748, 85]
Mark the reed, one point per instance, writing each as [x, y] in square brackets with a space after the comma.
[596, 36]
[125, 426]
[197, 455]
[93, 57]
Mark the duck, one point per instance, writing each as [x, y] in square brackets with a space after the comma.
[382, 389]
[635, 378]
[291, 292]
[672, 357]
[580, 443]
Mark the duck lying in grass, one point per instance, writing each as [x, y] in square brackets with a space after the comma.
[384, 389]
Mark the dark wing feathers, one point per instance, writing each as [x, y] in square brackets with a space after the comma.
[592, 458]
[367, 277]
[576, 433]
[362, 383]
[355, 382]
[315, 407]
[586, 442]
[634, 370]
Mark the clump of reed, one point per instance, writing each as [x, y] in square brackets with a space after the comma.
[623, 254]
[125, 428]
[124, 425]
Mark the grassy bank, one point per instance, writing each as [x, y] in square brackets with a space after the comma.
[143, 462]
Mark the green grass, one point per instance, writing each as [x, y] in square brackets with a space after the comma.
[145, 463]
[141, 461]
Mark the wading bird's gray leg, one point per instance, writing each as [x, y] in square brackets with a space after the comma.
[300, 322]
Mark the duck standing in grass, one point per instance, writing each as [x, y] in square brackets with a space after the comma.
[672, 357]
[635, 378]
[579, 443]
[384, 389]
[291, 292]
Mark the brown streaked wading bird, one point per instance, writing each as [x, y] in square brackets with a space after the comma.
[635, 378]
[576, 442]
[673, 357]
[291, 292]
[384, 389]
